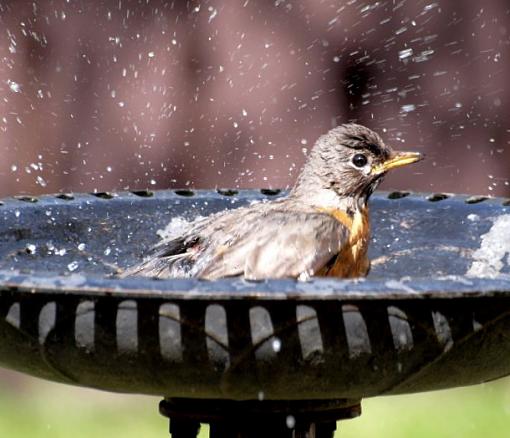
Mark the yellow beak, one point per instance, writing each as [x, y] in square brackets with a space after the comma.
[399, 159]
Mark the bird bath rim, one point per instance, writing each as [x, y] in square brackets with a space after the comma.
[448, 287]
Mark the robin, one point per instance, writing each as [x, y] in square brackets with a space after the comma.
[322, 228]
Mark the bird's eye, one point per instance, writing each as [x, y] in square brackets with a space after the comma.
[359, 160]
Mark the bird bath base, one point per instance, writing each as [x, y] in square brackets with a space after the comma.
[254, 419]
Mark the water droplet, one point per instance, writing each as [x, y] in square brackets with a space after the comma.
[276, 345]
[290, 421]
[14, 86]
[41, 181]
[406, 53]
[214, 12]
[408, 108]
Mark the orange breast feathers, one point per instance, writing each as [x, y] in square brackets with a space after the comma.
[352, 261]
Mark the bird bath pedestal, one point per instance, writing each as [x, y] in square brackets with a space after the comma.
[270, 358]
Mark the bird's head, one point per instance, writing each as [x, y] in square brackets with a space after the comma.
[351, 160]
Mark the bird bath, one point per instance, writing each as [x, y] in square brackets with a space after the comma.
[269, 358]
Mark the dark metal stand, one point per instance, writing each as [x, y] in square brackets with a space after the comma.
[255, 419]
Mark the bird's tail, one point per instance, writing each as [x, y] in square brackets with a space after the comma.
[178, 265]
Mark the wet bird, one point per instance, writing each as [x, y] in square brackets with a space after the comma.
[321, 228]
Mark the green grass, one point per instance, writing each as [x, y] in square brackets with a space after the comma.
[477, 411]
[38, 409]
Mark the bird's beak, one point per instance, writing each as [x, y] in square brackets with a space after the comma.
[398, 159]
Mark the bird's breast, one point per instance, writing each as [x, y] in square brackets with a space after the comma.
[352, 260]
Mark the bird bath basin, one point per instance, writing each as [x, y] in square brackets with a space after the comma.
[277, 357]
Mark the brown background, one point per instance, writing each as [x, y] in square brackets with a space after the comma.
[115, 95]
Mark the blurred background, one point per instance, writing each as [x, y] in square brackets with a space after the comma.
[128, 94]
[40, 409]
[157, 94]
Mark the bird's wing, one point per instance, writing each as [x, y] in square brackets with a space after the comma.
[277, 245]
[176, 256]
[174, 259]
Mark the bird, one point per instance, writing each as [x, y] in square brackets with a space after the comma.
[321, 228]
